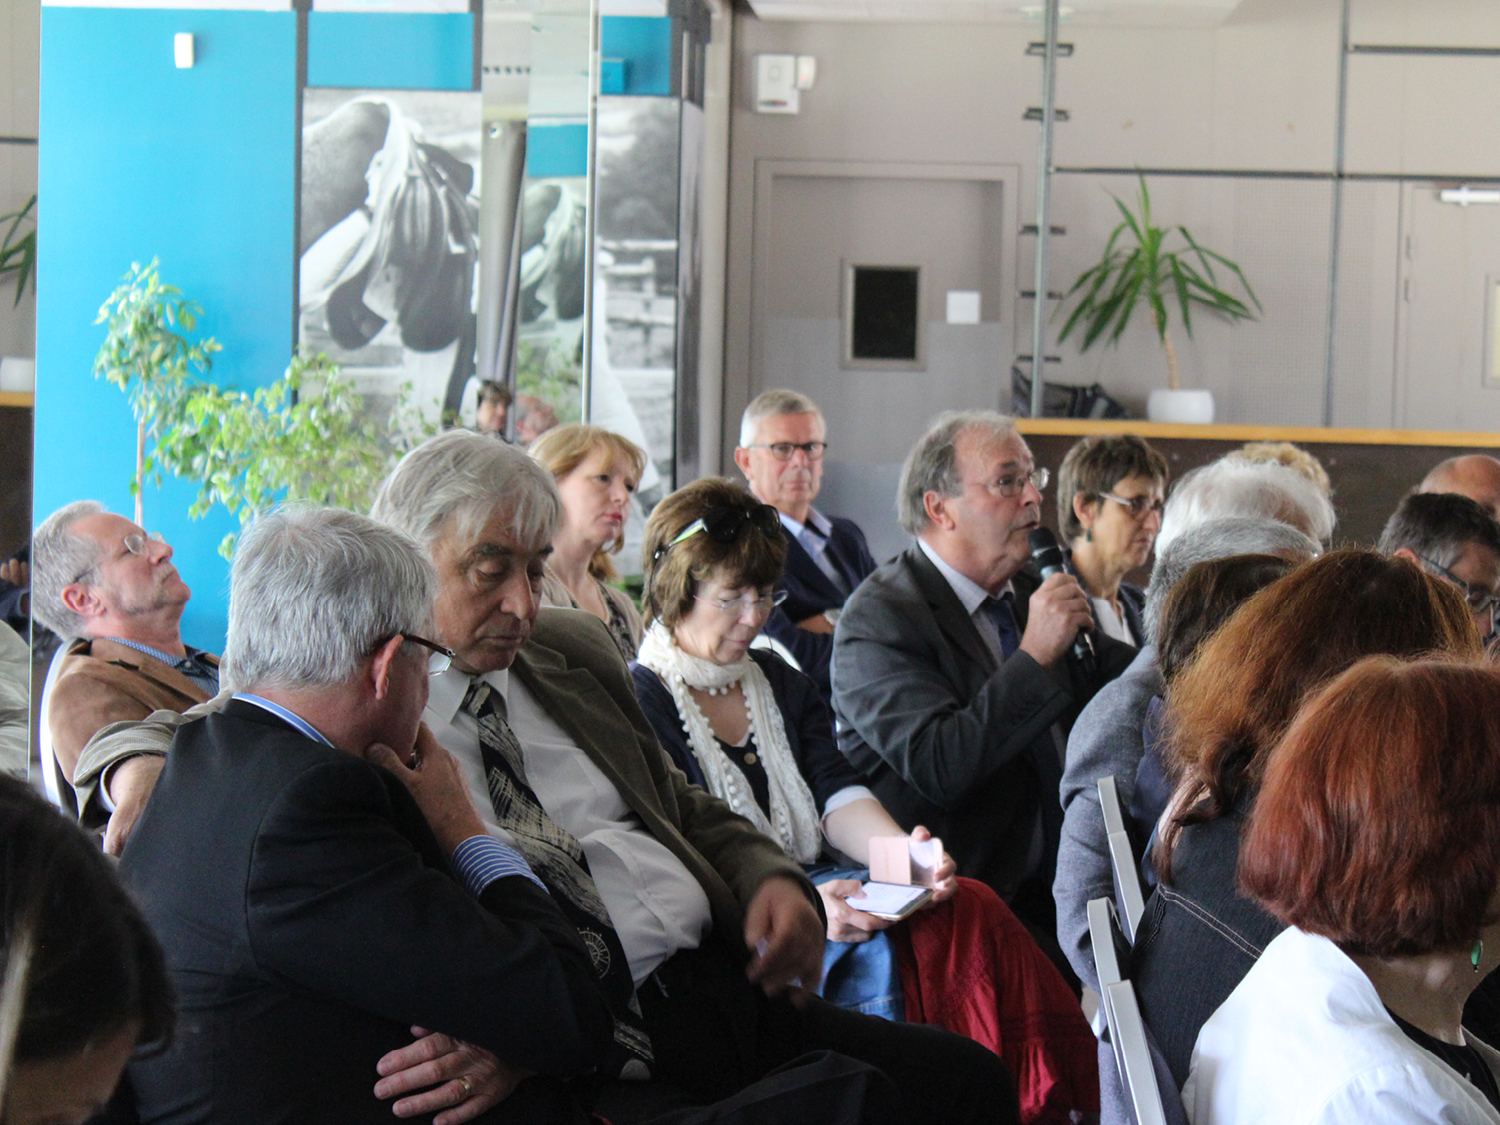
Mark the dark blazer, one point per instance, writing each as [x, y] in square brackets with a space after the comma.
[310, 919]
[574, 669]
[809, 591]
[948, 738]
[809, 728]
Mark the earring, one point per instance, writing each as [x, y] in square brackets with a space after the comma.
[1476, 953]
[1088, 535]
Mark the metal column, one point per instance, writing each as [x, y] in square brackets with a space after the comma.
[1043, 209]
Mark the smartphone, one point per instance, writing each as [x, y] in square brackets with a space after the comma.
[889, 900]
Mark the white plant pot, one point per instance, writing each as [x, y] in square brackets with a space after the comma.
[1190, 407]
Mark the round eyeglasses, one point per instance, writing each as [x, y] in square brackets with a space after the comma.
[135, 544]
[1138, 506]
[736, 607]
[439, 658]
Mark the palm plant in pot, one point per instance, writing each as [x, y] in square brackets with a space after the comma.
[1137, 268]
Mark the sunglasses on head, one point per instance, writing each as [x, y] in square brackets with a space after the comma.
[723, 525]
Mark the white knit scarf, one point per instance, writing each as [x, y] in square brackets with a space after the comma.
[794, 822]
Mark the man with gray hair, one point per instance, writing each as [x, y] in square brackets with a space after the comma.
[111, 591]
[1236, 486]
[1451, 537]
[952, 681]
[318, 877]
[1108, 738]
[708, 918]
[782, 440]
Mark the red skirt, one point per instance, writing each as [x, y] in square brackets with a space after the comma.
[970, 966]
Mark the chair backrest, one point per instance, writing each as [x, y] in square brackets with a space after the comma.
[1127, 1031]
[53, 782]
[1128, 892]
[1141, 1068]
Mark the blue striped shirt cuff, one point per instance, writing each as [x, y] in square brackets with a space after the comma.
[480, 860]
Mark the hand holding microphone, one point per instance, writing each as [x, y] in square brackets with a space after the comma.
[1060, 616]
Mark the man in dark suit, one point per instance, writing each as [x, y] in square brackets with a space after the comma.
[715, 924]
[782, 440]
[952, 679]
[315, 906]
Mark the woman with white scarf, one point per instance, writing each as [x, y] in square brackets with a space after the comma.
[754, 731]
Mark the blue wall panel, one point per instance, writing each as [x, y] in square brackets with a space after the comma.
[644, 43]
[140, 159]
[391, 51]
[556, 148]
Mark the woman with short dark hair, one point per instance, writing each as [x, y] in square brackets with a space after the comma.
[752, 730]
[1376, 840]
[1110, 498]
[84, 980]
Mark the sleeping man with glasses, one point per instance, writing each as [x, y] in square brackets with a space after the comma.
[110, 590]
[782, 441]
[953, 685]
[1452, 537]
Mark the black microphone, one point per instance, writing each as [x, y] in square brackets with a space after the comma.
[1049, 558]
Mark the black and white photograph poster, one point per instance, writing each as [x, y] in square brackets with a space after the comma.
[388, 238]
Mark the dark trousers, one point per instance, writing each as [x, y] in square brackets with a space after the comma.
[714, 1034]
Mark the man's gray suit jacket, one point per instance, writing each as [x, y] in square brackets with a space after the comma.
[947, 737]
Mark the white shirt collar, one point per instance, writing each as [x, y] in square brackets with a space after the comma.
[969, 592]
[445, 693]
[817, 519]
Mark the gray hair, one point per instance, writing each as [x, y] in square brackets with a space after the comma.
[58, 559]
[1236, 486]
[773, 404]
[1220, 539]
[314, 591]
[463, 477]
[932, 464]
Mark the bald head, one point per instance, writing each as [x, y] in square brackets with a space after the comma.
[1473, 475]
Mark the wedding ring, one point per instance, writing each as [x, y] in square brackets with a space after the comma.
[463, 1080]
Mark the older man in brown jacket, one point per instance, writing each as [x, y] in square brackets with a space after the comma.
[111, 588]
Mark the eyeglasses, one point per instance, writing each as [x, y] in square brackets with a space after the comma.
[1138, 505]
[135, 544]
[439, 659]
[723, 525]
[735, 607]
[783, 450]
[1012, 484]
[1480, 600]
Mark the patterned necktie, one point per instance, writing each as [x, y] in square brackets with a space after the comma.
[557, 858]
[1000, 614]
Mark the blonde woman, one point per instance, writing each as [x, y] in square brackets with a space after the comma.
[596, 472]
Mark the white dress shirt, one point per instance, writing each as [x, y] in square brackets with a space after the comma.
[813, 535]
[973, 596]
[1306, 1040]
[656, 905]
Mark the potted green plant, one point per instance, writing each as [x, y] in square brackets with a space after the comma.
[18, 247]
[1137, 268]
[147, 356]
[307, 436]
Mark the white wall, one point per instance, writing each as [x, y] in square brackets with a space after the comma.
[1257, 94]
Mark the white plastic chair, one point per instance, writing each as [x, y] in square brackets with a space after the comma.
[1127, 1030]
[1128, 891]
[53, 782]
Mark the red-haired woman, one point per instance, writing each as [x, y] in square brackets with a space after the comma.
[1376, 840]
[1225, 711]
